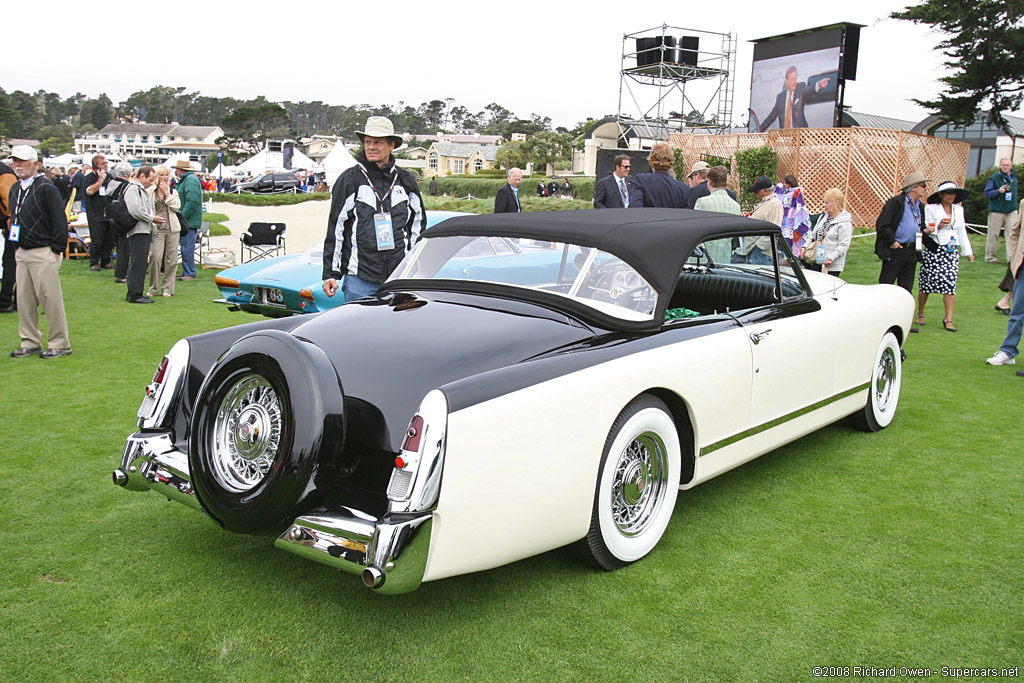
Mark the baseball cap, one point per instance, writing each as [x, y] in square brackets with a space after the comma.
[23, 153]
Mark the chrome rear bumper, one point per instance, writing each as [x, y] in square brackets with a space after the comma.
[389, 553]
[150, 461]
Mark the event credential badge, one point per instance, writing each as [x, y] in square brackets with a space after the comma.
[385, 235]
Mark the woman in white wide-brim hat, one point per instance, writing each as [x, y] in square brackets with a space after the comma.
[940, 264]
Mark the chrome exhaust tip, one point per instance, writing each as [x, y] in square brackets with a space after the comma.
[373, 577]
[120, 478]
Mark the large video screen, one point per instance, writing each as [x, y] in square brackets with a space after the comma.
[794, 81]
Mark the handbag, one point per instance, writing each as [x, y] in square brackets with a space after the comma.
[811, 252]
[182, 222]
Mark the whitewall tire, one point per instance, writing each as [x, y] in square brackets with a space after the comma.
[884, 389]
[637, 485]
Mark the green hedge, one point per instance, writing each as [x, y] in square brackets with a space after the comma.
[283, 199]
[457, 186]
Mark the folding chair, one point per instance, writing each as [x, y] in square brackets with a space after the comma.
[203, 241]
[262, 240]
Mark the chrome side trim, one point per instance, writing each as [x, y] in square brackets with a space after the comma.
[389, 553]
[159, 398]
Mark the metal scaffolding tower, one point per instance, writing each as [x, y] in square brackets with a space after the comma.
[657, 65]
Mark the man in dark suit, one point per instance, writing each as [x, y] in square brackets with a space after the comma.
[659, 189]
[612, 192]
[789, 105]
[507, 198]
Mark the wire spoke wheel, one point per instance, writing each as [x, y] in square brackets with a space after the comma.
[639, 483]
[247, 434]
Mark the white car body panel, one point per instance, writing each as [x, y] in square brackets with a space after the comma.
[548, 494]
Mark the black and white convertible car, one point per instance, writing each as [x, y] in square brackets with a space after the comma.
[472, 415]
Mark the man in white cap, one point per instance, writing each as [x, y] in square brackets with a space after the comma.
[698, 182]
[376, 216]
[39, 227]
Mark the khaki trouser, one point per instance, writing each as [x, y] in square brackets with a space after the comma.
[1013, 233]
[38, 278]
[997, 222]
[163, 254]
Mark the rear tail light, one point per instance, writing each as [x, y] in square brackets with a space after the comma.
[416, 479]
[161, 370]
[167, 381]
[413, 435]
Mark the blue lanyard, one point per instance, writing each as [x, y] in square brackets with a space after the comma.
[914, 210]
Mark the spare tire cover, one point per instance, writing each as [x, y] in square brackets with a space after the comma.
[267, 433]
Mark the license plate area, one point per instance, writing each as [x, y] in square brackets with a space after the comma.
[270, 296]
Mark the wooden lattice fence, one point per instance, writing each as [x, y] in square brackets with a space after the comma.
[866, 164]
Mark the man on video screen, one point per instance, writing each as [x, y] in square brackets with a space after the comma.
[789, 105]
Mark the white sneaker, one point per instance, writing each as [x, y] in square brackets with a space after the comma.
[1002, 358]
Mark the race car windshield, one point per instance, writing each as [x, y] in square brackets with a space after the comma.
[584, 274]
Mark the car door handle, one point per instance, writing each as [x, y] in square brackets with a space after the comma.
[756, 337]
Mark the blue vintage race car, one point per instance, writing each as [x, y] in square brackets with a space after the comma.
[286, 285]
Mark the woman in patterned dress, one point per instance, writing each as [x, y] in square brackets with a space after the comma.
[939, 267]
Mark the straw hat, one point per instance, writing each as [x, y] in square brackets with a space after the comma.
[380, 127]
[912, 179]
[182, 165]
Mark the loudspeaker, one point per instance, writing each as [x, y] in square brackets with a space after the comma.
[670, 55]
[287, 152]
[851, 45]
[647, 52]
[689, 45]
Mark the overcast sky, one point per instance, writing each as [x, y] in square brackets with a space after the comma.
[561, 59]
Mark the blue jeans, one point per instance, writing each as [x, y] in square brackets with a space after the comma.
[1016, 324]
[355, 288]
[188, 253]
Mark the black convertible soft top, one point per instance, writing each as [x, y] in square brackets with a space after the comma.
[654, 241]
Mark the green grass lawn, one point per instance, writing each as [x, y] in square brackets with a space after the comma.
[901, 548]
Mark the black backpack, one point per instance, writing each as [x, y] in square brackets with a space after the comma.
[117, 211]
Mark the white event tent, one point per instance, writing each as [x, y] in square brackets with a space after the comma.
[270, 162]
[335, 163]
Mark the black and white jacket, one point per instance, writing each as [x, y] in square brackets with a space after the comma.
[350, 246]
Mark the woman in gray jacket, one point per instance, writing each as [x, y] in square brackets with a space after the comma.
[140, 205]
[835, 229]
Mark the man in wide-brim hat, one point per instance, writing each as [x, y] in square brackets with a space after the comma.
[376, 216]
[896, 229]
[190, 191]
[380, 127]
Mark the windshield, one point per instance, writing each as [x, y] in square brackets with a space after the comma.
[316, 249]
[590, 276]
